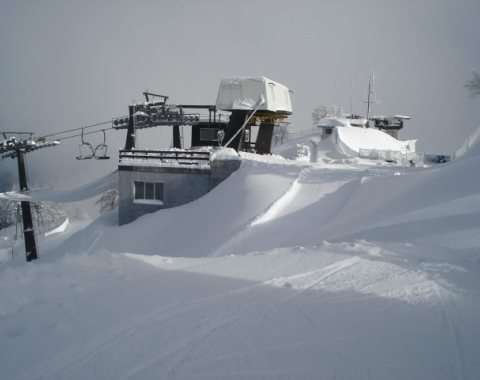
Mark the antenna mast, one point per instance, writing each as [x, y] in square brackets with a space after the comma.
[371, 96]
[351, 95]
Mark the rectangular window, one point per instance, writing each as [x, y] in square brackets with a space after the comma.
[159, 191]
[139, 190]
[208, 134]
[148, 192]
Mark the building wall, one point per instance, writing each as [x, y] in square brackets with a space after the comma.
[221, 169]
[180, 185]
[392, 132]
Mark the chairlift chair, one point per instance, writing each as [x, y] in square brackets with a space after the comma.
[86, 150]
[100, 152]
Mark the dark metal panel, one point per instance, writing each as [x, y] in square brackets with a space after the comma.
[263, 145]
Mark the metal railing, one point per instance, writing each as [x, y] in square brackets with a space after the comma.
[180, 156]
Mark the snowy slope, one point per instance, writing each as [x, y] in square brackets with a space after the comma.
[290, 269]
[90, 190]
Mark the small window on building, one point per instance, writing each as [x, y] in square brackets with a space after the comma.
[148, 192]
[208, 134]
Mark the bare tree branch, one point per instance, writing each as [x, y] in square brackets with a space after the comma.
[473, 85]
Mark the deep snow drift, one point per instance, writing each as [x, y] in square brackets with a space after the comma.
[326, 266]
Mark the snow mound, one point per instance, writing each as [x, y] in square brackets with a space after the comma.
[61, 228]
[471, 145]
[309, 147]
[345, 145]
[210, 220]
[353, 139]
[225, 154]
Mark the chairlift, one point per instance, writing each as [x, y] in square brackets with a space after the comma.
[86, 150]
[100, 152]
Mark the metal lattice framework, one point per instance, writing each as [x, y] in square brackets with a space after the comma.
[11, 146]
[16, 145]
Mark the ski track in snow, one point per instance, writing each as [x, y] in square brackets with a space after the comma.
[452, 333]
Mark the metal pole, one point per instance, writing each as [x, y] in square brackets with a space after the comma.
[368, 102]
[259, 103]
[130, 140]
[28, 231]
[177, 142]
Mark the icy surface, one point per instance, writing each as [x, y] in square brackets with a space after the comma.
[318, 268]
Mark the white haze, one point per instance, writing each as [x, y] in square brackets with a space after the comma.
[68, 64]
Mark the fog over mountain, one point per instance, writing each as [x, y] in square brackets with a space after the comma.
[69, 64]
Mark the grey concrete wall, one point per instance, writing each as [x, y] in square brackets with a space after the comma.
[180, 185]
[221, 169]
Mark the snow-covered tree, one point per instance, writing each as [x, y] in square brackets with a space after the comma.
[48, 214]
[280, 134]
[325, 110]
[7, 213]
[108, 201]
[7, 208]
[473, 85]
[45, 214]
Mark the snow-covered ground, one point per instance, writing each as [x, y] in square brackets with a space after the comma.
[315, 266]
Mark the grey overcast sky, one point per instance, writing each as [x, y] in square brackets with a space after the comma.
[65, 64]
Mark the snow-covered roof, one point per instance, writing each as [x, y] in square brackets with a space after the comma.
[331, 122]
[244, 93]
[198, 157]
[355, 139]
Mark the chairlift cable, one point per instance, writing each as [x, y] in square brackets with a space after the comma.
[80, 134]
[76, 129]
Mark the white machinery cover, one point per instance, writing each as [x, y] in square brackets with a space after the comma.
[244, 93]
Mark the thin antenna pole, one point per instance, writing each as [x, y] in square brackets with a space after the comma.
[351, 95]
[371, 91]
[368, 99]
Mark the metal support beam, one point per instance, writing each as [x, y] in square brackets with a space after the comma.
[28, 232]
[233, 134]
[263, 145]
[177, 142]
[130, 140]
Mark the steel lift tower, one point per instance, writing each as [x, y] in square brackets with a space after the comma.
[13, 148]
